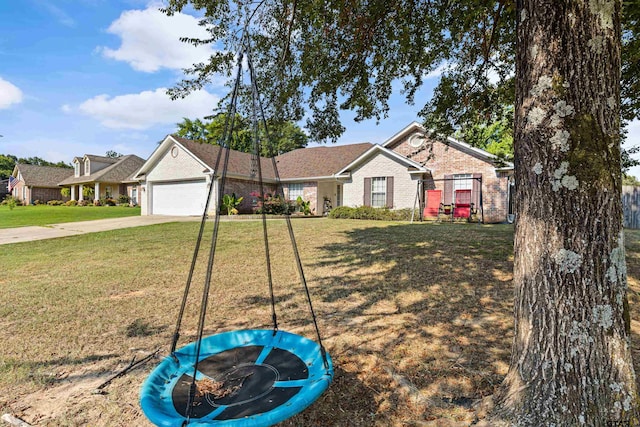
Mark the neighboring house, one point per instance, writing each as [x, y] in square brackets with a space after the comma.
[38, 183]
[108, 177]
[454, 165]
[176, 177]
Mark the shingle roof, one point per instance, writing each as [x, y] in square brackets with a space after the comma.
[43, 176]
[102, 159]
[319, 161]
[239, 162]
[119, 171]
[301, 163]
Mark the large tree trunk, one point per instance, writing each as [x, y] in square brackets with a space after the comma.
[571, 360]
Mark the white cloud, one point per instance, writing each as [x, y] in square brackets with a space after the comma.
[9, 94]
[146, 109]
[150, 40]
[438, 71]
[66, 108]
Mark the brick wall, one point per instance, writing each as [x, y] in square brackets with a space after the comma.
[444, 159]
[47, 194]
[382, 165]
[244, 189]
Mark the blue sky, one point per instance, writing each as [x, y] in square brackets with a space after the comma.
[87, 76]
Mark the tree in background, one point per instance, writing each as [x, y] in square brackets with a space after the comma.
[285, 136]
[113, 154]
[558, 62]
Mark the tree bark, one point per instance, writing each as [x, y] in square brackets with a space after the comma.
[571, 361]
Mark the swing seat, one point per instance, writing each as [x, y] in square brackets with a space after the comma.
[269, 378]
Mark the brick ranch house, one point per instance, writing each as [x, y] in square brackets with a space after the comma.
[108, 177]
[38, 183]
[176, 177]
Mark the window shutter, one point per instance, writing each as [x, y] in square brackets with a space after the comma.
[476, 190]
[367, 191]
[448, 189]
[390, 192]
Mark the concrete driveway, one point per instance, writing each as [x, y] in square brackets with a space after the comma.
[28, 234]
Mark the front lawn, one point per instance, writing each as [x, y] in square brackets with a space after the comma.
[22, 216]
[417, 317]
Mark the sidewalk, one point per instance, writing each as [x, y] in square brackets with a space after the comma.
[28, 234]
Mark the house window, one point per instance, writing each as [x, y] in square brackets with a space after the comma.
[107, 192]
[76, 169]
[462, 181]
[379, 192]
[134, 195]
[87, 169]
[295, 191]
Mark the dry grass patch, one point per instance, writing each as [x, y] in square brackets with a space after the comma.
[417, 317]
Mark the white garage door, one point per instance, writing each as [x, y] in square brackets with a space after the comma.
[179, 198]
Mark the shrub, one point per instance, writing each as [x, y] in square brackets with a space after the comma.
[303, 206]
[65, 192]
[108, 202]
[71, 203]
[82, 203]
[342, 212]
[38, 202]
[97, 203]
[367, 212]
[12, 202]
[230, 203]
[54, 202]
[123, 199]
[274, 205]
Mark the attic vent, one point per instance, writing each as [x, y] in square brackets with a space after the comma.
[416, 140]
[174, 151]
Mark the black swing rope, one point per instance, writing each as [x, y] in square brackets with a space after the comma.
[257, 118]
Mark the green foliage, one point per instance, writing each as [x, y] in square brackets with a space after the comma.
[630, 180]
[368, 212]
[285, 136]
[52, 203]
[303, 206]
[316, 58]
[65, 192]
[7, 163]
[494, 136]
[230, 203]
[113, 154]
[71, 203]
[123, 199]
[88, 191]
[11, 202]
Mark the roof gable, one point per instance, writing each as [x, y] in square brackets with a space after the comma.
[377, 149]
[415, 127]
[119, 170]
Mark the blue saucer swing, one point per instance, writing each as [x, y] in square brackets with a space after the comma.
[243, 378]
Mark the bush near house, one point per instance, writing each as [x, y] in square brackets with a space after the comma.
[273, 205]
[367, 212]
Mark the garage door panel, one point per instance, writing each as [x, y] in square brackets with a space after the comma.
[181, 198]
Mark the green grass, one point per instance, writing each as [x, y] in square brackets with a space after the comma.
[22, 216]
[430, 304]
